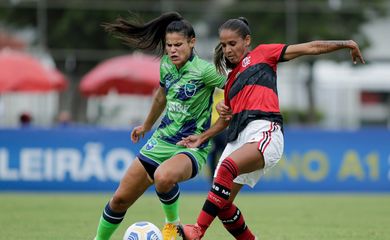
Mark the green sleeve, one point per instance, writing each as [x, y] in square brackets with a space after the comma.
[212, 77]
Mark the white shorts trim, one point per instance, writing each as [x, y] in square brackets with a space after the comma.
[270, 143]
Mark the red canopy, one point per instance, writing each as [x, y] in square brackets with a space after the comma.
[20, 72]
[129, 74]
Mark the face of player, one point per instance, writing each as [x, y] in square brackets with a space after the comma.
[179, 48]
[234, 47]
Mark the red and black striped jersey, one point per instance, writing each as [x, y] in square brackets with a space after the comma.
[251, 89]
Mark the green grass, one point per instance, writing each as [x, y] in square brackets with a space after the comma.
[272, 216]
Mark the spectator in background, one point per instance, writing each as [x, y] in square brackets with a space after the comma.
[64, 119]
[25, 119]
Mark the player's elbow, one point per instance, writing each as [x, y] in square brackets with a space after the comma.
[314, 48]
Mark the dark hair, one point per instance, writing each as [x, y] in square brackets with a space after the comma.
[151, 35]
[25, 118]
[239, 25]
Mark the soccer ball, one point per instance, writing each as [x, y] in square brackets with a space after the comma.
[143, 231]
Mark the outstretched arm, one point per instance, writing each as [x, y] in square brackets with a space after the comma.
[194, 141]
[320, 47]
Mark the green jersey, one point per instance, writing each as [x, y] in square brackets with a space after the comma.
[189, 94]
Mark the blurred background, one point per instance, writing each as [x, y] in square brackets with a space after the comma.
[70, 93]
[324, 91]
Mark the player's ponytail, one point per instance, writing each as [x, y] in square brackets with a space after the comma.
[219, 60]
[151, 35]
[241, 27]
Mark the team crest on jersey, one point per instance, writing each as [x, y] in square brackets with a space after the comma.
[151, 144]
[246, 61]
[189, 89]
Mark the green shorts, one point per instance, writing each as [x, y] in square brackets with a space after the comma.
[156, 151]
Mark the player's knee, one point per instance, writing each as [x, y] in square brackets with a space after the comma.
[163, 181]
[119, 203]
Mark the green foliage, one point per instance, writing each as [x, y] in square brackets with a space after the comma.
[80, 28]
[76, 24]
[315, 19]
[18, 17]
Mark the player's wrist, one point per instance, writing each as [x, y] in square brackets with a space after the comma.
[204, 137]
[147, 127]
[351, 44]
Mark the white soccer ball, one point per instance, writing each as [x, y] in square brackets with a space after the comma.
[143, 231]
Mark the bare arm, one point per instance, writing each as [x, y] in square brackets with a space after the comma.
[194, 141]
[158, 106]
[218, 127]
[321, 47]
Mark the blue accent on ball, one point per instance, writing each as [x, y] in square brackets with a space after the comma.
[141, 224]
[152, 235]
[133, 236]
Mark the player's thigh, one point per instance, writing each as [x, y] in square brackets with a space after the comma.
[248, 158]
[175, 169]
[133, 184]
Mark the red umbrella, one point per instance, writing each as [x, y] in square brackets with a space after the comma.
[129, 74]
[59, 80]
[20, 72]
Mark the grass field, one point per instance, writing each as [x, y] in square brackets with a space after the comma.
[272, 216]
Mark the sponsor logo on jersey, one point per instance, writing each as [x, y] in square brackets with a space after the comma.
[151, 144]
[216, 200]
[168, 84]
[168, 80]
[178, 107]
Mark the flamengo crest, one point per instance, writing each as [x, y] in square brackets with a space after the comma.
[246, 61]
